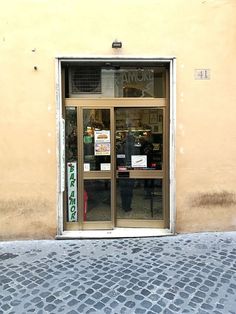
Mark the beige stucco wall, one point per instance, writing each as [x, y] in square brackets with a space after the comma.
[200, 33]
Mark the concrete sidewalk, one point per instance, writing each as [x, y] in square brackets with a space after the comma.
[182, 274]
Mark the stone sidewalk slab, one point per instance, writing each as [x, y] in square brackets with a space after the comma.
[194, 273]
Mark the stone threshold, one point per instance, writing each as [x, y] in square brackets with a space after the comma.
[114, 233]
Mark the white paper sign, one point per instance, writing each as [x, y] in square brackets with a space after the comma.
[102, 136]
[72, 191]
[102, 149]
[105, 166]
[86, 167]
[139, 161]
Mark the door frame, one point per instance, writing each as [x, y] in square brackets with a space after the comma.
[171, 61]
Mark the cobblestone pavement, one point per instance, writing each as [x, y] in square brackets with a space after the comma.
[182, 274]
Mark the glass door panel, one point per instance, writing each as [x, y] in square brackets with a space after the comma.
[139, 199]
[96, 139]
[139, 139]
[97, 174]
[97, 199]
[140, 163]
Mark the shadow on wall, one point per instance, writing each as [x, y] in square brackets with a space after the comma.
[221, 199]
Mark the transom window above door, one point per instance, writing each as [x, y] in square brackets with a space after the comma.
[115, 81]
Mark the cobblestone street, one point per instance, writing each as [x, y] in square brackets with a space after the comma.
[182, 274]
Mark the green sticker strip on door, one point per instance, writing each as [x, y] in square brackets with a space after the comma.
[72, 191]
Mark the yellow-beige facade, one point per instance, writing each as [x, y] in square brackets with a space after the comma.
[187, 46]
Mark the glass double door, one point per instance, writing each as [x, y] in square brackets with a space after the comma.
[116, 167]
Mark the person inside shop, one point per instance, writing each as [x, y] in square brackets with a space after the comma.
[126, 193]
[126, 185]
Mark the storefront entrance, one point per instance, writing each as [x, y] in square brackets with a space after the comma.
[116, 165]
[116, 152]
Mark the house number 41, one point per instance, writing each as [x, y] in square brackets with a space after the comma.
[202, 74]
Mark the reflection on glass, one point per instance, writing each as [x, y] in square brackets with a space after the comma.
[71, 133]
[97, 139]
[71, 163]
[117, 82]
[97, 200]
[139, 82]
[139, 199]
[139, 138]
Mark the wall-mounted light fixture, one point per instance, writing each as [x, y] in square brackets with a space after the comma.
[117, 44]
